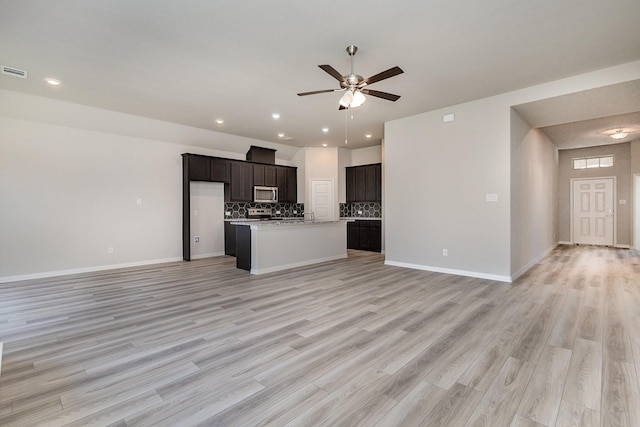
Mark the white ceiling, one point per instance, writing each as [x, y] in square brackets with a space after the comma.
[191, 62]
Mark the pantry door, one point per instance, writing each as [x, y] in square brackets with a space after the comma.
[322, 199]
[593, 216]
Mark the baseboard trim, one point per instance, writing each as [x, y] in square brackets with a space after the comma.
[56, 273]
[496, 277]
[531, 263]
[209, 255]
[562, 242]
[0, 359]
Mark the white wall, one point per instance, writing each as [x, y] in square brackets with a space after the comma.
[299, 162]
[69, 193]
[366, 156]
[635, 171]
[437, 176]
[534, 195]
[344, 161]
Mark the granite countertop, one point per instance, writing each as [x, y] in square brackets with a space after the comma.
[365, 218]
[293, 218]
[282, 222]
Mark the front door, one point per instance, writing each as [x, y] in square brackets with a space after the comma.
[593, 211]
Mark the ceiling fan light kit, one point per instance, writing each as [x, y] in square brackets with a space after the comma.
[352, 99]
[354, 84]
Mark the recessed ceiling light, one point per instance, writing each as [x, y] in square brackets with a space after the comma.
[324, 145]
[325, 130]
[219, 121]
[281, 135]
[368, 135]
[52, 82]
[275, 115]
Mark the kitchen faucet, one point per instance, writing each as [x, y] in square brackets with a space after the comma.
[311, 214]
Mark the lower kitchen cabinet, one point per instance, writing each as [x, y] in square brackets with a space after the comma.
[365, 235]
[229, 239]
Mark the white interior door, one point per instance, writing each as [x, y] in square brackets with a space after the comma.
[322, 199]
[593, 211]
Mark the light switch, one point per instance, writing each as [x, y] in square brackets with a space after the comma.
[622, 202]
[139, 202]
[448, 118]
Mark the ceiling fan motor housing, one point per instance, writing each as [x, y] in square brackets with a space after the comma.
[353, 80]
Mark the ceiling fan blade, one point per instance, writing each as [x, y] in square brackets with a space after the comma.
[319, 91]
[332, 72]
[383, 95]
[383, 75]
[341, 107]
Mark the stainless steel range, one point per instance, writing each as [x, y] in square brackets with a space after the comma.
[260, 213]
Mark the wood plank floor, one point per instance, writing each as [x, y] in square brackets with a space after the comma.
[345, 343]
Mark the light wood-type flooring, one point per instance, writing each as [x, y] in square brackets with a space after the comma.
[345, 343]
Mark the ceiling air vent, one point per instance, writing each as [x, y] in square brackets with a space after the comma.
[10, 71]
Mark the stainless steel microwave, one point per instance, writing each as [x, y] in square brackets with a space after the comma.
[265, 194]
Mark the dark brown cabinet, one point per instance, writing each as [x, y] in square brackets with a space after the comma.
[204, 168]
[241, 184]
[264, 175]
[364, 183]
[239, 178]
[365, 235]
[229, 239]
[287, 182]
[199, 168]
[373, 178]
[351, 184]
[220, 170]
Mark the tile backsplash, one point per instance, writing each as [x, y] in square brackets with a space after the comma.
[364, 210]
[287, 210]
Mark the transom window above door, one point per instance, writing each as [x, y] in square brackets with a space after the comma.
[593, 162]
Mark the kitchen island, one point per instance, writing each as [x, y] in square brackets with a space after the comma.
[268, 246]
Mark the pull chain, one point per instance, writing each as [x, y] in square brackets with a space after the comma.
[346, 122]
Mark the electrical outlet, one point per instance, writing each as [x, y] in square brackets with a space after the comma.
[359, 212]
[110, 250]
[277, 212]
[295, 212]
[228, 213]
[196, 239]
[445, 252]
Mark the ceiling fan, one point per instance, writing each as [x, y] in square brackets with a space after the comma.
[354, 85]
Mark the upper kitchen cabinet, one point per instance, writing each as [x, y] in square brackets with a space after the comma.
[241, 185]
[363, 183]
[265, 175]
[220, 170]
[287, 182]
[205, 168]
[199, 167]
